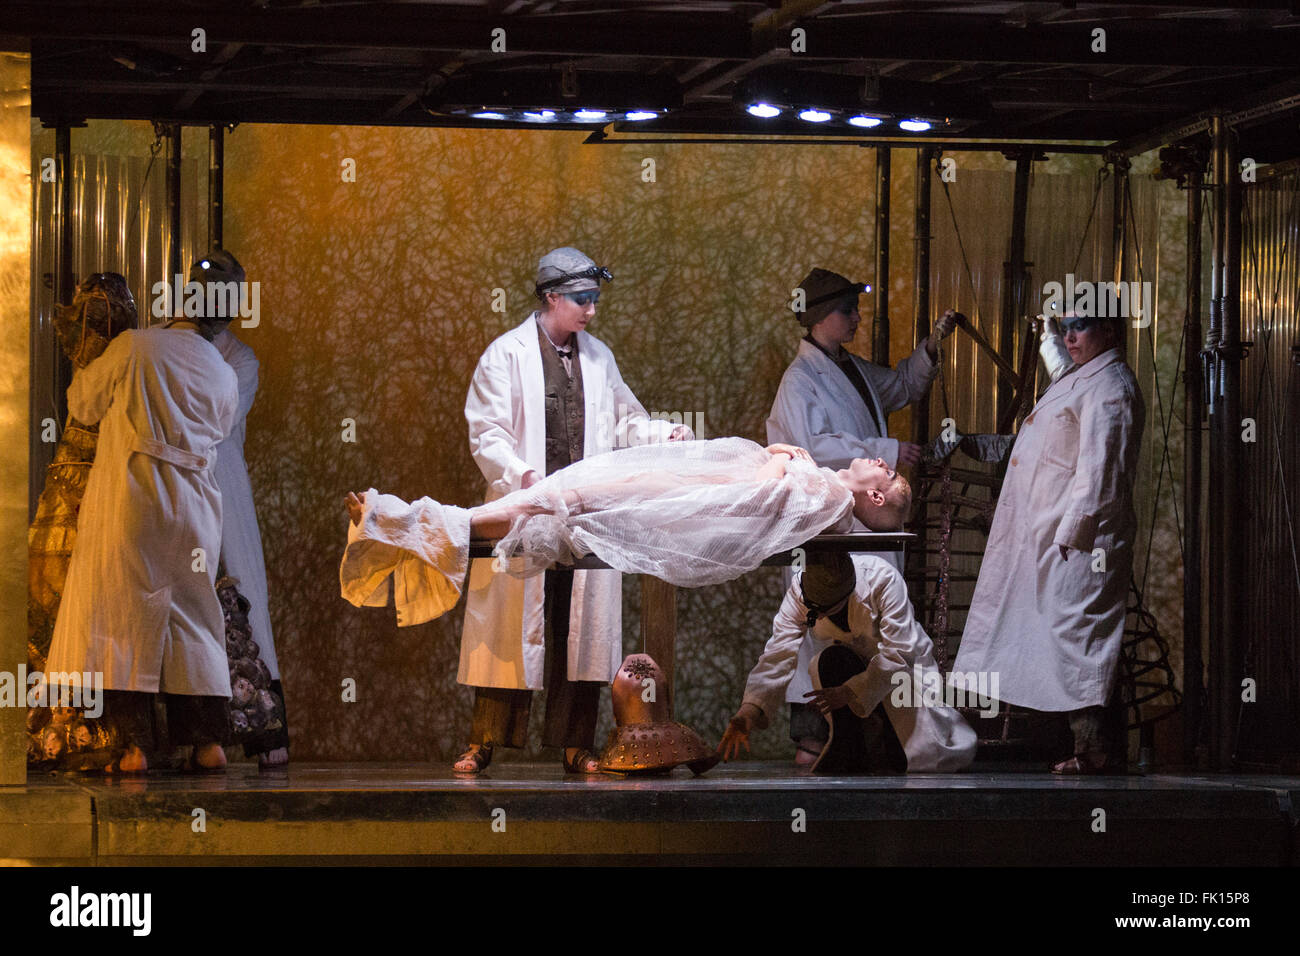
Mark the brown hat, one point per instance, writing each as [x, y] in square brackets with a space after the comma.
[823, 292]
[645, 740]
[827, 582]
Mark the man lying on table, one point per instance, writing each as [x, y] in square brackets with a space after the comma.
[872, 655]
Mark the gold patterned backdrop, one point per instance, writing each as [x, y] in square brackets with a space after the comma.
[376, 299]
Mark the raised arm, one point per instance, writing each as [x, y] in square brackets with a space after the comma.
[92, 388]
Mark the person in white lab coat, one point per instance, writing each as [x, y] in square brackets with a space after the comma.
[1048, 610]
[836, 405]
[140, 606]
[858, 604]
[241, 539]
[545, 394]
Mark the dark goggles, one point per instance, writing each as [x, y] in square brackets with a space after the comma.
[599, 273]
[1078, 323]
[583, 299]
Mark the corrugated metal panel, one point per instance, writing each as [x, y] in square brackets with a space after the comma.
[115, 229]
[1270, 317]
[1068, 233]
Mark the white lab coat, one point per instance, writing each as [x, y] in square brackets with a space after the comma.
[241, 540]
[818, 408]
[1052, 628]
[135, 608]
[502, 642]
[884, 632]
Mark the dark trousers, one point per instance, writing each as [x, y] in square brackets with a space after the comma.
[190, 719]
[501, 713]
[860, 744]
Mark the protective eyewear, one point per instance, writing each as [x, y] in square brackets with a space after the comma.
[599, 273]
[1078, 323]
[583, 299]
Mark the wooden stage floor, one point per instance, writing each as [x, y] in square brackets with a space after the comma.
[746, 813]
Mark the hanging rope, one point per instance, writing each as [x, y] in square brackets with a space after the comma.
[1166, 422]
[154, 150]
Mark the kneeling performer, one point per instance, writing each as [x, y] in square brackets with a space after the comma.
[857, 608]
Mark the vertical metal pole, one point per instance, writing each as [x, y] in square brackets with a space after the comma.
[1223, 518]
[1230, 518]
[1193, 686]
[173, 201]
[1118, 216]
[65, 281]
[216, 184]
[1214, 488]
[921, 321]
[1013, 293]
[880, 329]
[921, 328]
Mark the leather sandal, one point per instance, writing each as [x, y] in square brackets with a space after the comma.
[480, 755]
[580, 762]
[1079, 765]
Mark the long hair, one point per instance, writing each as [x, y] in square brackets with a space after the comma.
[101, 308]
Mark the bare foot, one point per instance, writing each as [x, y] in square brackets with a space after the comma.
[278, 757]
[209, 756]
[356, 506]
[133, 761]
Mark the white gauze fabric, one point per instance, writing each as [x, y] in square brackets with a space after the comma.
[691, 513]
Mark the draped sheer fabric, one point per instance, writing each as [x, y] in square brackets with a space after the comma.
[691, 513]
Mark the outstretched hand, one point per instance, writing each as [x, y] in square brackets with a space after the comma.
[356, 506]
[736, 736]
[829, 698]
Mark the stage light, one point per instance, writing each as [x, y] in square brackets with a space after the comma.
[762, 110]
[541, 116]
[866, 122]
[641, 115]
[488, 114]
[814, 115]
[589, 116]
[914, 125]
